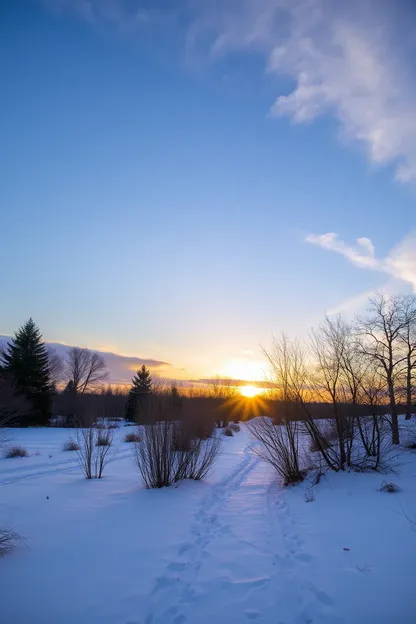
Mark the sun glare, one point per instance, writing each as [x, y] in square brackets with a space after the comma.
[250, 391]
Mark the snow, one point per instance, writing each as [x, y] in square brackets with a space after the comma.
[237, 548]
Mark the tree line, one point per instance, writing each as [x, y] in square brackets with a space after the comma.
[366, 364]
[31, 373]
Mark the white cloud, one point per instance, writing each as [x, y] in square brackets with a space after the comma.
[361, 254]
[347, 59]
[400, 262]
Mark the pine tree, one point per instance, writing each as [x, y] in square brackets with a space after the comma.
[139, 392]
[26, 362]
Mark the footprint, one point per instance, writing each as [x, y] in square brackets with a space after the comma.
[321, 596]
[162, 582]
[184, 548]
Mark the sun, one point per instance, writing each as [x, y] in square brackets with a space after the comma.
[249, 391]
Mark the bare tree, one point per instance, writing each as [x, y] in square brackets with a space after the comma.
[381, 339]
[85, 370]
[408, 338]
[56, 367]
[279, 444]
[336, 380]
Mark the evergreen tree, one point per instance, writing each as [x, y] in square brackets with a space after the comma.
[26, 362]
[139, 392]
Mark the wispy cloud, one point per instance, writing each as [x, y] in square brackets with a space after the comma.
[362, 254]
[348, 59]
[400, 262]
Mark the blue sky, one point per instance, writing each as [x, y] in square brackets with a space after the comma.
[180, 183]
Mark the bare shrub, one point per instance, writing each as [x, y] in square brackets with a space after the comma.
[201, 457]
[169, 451]
[104, 438]
[71, 445]
[102, 452]
[391, 488]
[156, 457]
[8, 540]
[228, 432]
[92, 455]
[235, 427]
[309, 495]
[132, 437]
[279, 446]
[16, 451]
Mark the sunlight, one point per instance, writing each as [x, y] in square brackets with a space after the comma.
[245, 369]
[250, 391]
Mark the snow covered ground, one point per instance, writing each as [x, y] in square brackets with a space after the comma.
[234, 549]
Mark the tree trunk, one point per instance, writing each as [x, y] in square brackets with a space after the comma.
[409, 390]
[394, 419]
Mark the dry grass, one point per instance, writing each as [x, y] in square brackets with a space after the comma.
[103, 439]
[71, 445]
[132, 437]
[16, 451]
[391, 488]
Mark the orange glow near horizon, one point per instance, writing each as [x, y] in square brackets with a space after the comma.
[249, 392]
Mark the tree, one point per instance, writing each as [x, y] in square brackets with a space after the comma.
[56, 367]
[381, 339]
[26, 363]
[408, 338]
[85, 370]
[139, 392]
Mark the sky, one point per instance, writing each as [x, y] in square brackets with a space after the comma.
[182, 180]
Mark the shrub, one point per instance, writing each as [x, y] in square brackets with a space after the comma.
[201, 458]
[103, 439]
[8, 540]
[235, 427]
[391, 488]
[16, 451]
[165, 457]
[279, 446]
[182, 440]
[132, 437]
[93, 453]
[71, 445]
[156, 457]
[228, 432]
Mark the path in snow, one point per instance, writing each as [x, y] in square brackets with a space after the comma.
[245, 561]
